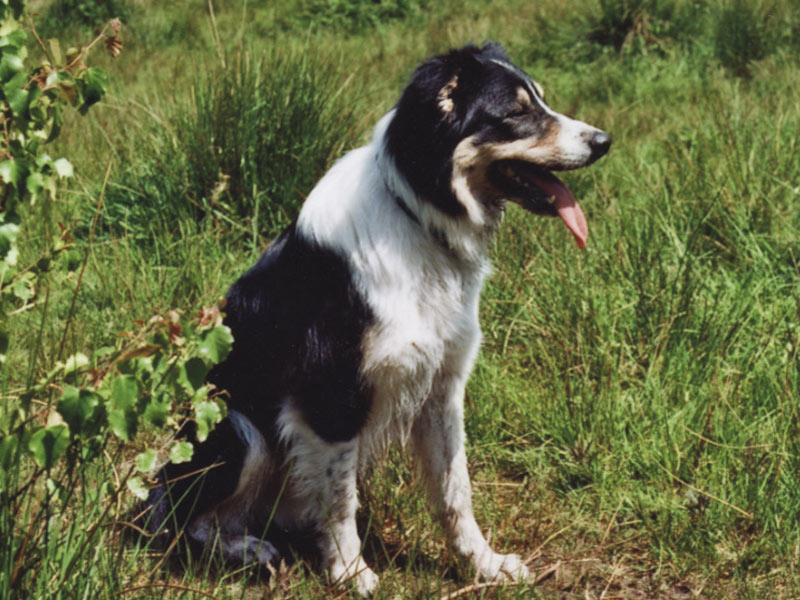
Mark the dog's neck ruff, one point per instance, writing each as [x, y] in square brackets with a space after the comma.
[457, 237]
[383, 162]
[437, 235]
[404, 207]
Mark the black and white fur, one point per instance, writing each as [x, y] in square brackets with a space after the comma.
[358, 327]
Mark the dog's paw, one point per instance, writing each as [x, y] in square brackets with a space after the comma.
[492, 566]
[366, 581]
[261, 551]
[267, 554]
[359, 575]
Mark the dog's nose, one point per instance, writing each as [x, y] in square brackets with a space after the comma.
[599, 144]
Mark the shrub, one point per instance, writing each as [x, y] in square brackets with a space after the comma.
[623, 23]
[742, 35]
[254, 140]
[259, 136]
[83, 13]
[357, 15]
[67, 423]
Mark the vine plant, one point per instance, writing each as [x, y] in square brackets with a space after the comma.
[95, 403]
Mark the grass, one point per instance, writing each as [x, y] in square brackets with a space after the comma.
[633, 419]
[254, 134]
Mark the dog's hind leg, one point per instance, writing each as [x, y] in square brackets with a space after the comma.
[237, 545]
[217, 497]
[438, 447]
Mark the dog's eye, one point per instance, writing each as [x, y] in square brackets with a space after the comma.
[517, 113]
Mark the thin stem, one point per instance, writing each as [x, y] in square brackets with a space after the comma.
[71, 312]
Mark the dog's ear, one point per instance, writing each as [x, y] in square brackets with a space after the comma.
[445, 99]
[459, 72]
[443, 82]
[493, 50]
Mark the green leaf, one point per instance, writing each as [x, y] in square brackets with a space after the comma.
[207, 414]
[193, 374]
[146, 461]
[124, 392]
[63, 167]
[38, 116]
[76, 362]
[48, 444]
[201, 394]
[34, 183]
[71, 260]
[55, 51]
[6, 245]
[123, 416]
[58, 121]
[10, 65]
[216, 344]
[14, 85]
[181, 452]
[23, 289]
[12, 37]
[103, 351]
[43, 161]
[69, 90]
[18, 101]
[94, 87]
[157, 410]
[4, 342]
[138, 488]
[9, 172]
[82, 410]
[9, 449]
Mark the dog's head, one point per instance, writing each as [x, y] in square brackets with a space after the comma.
[472, 131]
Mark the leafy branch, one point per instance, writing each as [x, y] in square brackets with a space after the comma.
[93, 405]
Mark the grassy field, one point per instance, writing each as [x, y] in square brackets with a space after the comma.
[633, 418]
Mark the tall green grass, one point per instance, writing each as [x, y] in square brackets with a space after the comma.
[355, 15]
[633, 416]
[252, 139]
[657, 374]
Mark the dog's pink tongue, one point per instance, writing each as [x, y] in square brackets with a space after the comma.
[567, 207]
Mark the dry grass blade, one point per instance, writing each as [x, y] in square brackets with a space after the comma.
[545, 574]
[480, 586]
[169, 586]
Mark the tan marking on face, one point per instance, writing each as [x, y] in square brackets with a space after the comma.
[539, 90]
[537, 150]
[467, 160]
[445, 98]
[471, 184]
[471, 162]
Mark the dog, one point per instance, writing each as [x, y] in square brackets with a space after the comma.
[358, 327]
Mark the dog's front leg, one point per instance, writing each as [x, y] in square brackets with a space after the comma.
[324, 477]
[438, 447]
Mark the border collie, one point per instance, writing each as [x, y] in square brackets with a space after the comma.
[358, 326]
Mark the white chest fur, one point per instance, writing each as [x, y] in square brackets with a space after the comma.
[426, 329]
[424, 296]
